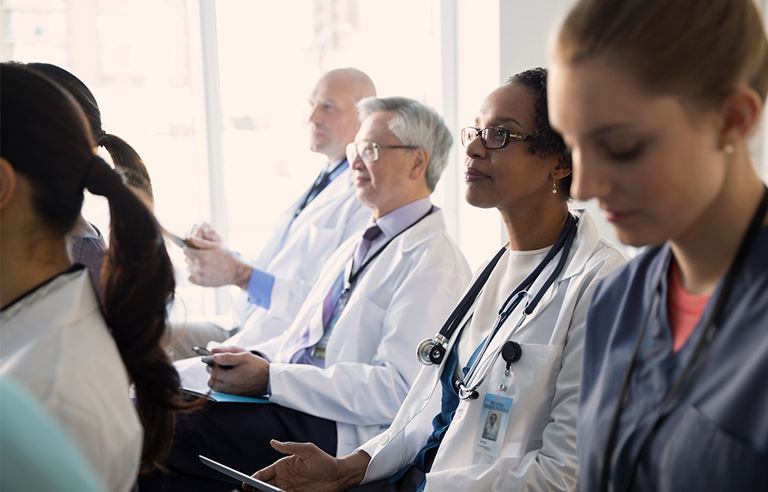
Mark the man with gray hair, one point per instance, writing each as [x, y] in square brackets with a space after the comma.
[338, 375]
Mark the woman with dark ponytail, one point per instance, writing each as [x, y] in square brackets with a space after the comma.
[53, 337]
[86, 244]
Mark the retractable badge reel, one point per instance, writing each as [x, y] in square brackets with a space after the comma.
[511, 353]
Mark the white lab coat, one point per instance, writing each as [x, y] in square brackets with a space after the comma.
[55, 342]
[371, 354]
[330, 219]
[539, 451]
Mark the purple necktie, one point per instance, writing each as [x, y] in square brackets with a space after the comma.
[332, 308]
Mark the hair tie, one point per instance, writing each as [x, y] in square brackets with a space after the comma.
[100, 179]
[100, 136]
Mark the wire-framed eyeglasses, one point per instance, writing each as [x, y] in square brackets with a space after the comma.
[369, 151]
[493, 137]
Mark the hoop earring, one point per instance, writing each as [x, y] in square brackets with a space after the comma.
[554, 186]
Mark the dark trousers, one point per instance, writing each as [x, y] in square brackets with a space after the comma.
[236, 435]
[409, 483]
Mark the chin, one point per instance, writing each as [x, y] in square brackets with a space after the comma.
[638, 238]
[477, 200]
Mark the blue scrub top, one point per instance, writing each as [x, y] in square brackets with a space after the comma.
[716, 436]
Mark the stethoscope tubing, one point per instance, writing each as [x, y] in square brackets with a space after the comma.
[467, 386]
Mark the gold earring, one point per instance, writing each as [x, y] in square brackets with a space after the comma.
[728, 149]
[554, 186]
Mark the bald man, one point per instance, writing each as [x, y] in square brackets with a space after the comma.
[276, 282]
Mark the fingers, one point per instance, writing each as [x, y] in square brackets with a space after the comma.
[298, 448]
[227, 349]
[230, 358]
[199, 243]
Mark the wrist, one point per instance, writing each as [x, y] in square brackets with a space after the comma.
[243, 273]
[352, 468]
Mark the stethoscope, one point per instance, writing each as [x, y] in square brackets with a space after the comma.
[692, 365]
[433, 350]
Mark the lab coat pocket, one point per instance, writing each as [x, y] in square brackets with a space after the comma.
[532, 389]
[700, 455]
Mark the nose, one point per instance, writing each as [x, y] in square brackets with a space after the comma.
[589, 179]
[314, 114]
[475, 149]
[355, 162]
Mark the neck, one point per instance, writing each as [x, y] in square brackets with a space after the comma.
[380, 211]
[531, 227]
[706, 250]
[25, 264]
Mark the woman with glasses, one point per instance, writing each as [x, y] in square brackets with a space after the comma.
[658, 100]
[495, 408]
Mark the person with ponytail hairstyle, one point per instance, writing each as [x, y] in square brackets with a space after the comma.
[657, 100]
[86, 244]
[77, 357]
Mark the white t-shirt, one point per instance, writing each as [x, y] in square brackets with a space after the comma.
[510, 271]
[55, 342]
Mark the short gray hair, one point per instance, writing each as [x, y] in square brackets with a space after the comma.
[414, 123]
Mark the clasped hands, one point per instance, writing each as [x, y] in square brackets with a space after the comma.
[238, 372]
[210, 264]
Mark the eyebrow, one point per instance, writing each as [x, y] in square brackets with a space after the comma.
[609, 128]
[500, 120]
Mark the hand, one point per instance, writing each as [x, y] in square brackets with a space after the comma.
[205, 231]
[246, 374]
[212, 265]
[227, 349]
[308, 468]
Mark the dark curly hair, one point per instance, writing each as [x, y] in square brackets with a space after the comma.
[546, 141]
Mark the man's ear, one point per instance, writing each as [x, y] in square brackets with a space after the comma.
[740, 113]
[7, 182]
[420, 161]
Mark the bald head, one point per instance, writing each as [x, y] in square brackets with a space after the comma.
[333, 118]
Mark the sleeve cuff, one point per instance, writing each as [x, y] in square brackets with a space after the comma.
[260, 288]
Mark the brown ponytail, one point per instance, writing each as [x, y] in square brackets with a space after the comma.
[694, 49]
[45, 137]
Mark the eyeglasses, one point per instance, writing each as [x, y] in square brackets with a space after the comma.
[492, 138]
[369, 151]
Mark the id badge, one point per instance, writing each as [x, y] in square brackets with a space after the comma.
[492, 427]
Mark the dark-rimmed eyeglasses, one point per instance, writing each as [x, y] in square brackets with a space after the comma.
[369, 151]
[492, 138]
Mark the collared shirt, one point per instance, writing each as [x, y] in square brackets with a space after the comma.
[260, 283]
[391, 225]
[397, 221]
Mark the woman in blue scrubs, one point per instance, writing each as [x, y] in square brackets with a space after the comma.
[657, 101]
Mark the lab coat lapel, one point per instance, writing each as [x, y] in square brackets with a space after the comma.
[326, 198]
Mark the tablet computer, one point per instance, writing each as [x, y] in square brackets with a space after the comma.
[257, 484]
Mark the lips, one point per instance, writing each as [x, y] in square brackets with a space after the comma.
[472, 174]
[618, 216]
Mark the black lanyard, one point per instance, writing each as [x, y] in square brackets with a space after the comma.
[564, 242]
[353, 275]
[693, 364]
[321, 182]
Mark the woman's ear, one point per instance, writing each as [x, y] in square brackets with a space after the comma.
[562, 168]
[7, 182]
[740, 113]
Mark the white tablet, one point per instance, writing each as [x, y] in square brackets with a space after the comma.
[258, 484]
